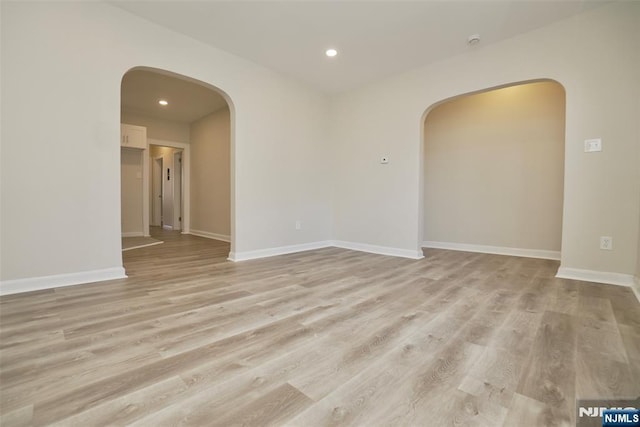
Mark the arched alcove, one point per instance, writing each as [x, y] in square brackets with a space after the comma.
[493, 171]
[193, 138]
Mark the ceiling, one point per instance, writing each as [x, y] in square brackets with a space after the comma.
[374, 39]
[142, 89]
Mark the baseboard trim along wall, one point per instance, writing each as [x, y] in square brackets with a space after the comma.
[281, 250]
[362, 247]
[599, 277]
[497, 250]
[8, 287]
[133, 234]
[208, 235]
[380, 250]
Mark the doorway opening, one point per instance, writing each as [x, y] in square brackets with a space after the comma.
[183, 176]
[493, 171]
[166, 193]
[156, 194]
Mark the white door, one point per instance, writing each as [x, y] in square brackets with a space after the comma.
[156, 192]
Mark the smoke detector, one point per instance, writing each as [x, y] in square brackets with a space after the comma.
[473, 39]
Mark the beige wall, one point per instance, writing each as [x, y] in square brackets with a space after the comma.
[594, 55]
[210, 174]
[157, 128]
[638, 260]
[494, 165]
[131, 191]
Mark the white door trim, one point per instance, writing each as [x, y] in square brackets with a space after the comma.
[186, 175]
[178, 176]
[156, 190]
[145, 191]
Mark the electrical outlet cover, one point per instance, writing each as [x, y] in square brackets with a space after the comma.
[592, 145]
[606, 243]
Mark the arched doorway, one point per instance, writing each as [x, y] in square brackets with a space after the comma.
[181, 177]
[493, 171]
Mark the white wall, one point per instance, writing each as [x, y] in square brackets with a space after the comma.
[210, 174]
[290, 143]
[76, 53]
[494, 168]
[131, 191]
[165, 130]
[595, 56]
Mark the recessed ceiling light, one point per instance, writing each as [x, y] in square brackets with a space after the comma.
[331, 53]
[163, 102]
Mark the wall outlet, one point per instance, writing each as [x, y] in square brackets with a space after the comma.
[298, 225]
[606, 243]
[592, 145]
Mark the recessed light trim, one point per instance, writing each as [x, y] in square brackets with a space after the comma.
[331, 52]
[163, 102]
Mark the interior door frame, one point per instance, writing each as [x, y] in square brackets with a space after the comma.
[156, 190]
[186, 184]
[178, 176]
[145, 191]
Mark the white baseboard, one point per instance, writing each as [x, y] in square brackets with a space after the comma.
[133, 234]
[381, 250]
[208, 235]
[282, 250]
[599, 277]
[167, 227]
[8, 287]
[636, 287]
[498, 250]
[363, 247]
[595, 276]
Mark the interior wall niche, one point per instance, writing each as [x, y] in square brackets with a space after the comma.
[494, 169]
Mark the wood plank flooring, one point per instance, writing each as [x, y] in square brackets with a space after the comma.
[325, 337]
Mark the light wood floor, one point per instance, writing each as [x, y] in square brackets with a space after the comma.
[129, 243]
[325, 337]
